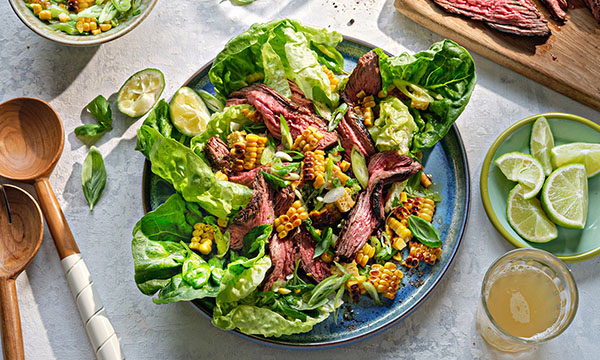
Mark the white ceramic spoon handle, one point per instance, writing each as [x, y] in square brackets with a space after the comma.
[97, 325]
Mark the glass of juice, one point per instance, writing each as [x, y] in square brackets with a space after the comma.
[528, 296]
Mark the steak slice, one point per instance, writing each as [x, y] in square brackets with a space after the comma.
[555, 8]
[217, 153]
[594, 6]
[519, 17]
[259, 211]
[283, 200]
[247, 177]
[299, 99]
[352, 132]
[317, 268]
[365, 76]
[384, 167]
[282, 256]
[271, 105]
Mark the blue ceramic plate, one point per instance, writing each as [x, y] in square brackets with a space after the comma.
[446, 162]
[571, 245]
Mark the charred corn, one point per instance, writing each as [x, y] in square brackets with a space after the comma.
[386, 279]
[419, 251]
[333, 80]
[346, 202]
[418, 206]
[399, 228]
[202, 238]
[344, 165]
[339, 174]
[254, 148]
[398, 243]
[252, 114]
[308, 140]
[355, 287]
[291, 219]
[313, 167]
[326, 257]
[364, 254]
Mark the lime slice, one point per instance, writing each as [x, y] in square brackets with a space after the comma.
[524, 169]
[541, 142]
[565, 196]
[140, 92]
[583, 153]
[527, 217]
[189, 114]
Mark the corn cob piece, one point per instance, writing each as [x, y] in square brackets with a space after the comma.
[364, 254]
[386, 279]
[308, 140]
[355, 287]
[313, 167]
[419, 251]
[202, 238]
[401, 229]
[291, 219]
[418, 206]
[333, 80]
[254, 148]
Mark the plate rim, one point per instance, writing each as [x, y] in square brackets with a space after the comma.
[485, 169]
[272, 341]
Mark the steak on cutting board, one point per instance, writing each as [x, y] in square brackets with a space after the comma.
[520, 17]
[594, 6]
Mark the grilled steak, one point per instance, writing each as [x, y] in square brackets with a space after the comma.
[283, 200]
[317, 268]
[247, 177]
[271, 105]
[594, 6]
[384, 167]
[217, 153]
[282, 255]
[352, 132]
[556, 9]
[259, 211]
[519, 17]
[365, 76]
[299, 99]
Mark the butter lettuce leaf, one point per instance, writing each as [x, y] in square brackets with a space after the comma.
[242, 277]
[220, 125]
[394, 128]
[446, 71]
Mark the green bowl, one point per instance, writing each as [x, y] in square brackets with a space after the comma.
[42, 29]
[571, 245]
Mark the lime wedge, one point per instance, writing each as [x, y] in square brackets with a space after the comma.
[524, 169]
[527, 217]
[541, 142]
[565, 196]
[189, 114]
[140, 92]
[583, 153]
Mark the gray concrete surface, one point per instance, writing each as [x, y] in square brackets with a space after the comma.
[178, 38]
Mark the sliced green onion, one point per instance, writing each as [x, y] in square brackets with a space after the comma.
[122, 5]
[212, 103]
[334, 195]
[108, 12]
[359, 167]
[337, 116]
[286, 136]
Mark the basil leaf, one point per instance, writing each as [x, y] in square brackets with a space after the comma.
[324, 243]
[424, 231]
[93, 176]
[100, 110]
[256, 238]
[89, 131]
[337, 116]
[274, 181]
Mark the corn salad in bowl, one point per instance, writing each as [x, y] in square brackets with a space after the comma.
[82, 22]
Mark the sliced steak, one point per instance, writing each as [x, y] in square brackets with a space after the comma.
[283, 200]
[555, 8]
[247, 177]
[259, 211]
[217, 153]
[365, 76]
[594, 6]
[520, 17]
[384, 167]
[352, 132]
[299, 99]
[271, 105]
[282, 256]
[317, 268]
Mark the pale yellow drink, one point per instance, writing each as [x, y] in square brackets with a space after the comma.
[524, 302]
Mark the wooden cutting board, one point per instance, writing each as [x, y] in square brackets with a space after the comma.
[568, 61]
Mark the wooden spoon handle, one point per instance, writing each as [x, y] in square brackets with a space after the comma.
[12, 337]
[61, 233]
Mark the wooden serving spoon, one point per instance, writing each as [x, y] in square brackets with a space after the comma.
[21, 232]
[31, 142]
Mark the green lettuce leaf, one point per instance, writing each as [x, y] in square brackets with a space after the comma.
[160, 120]
[242, 277]
[394, 128]
[220, 125]
[274, 51]
[447, 72]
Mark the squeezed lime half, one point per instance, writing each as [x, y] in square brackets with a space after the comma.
[189, 114]
[140, 92]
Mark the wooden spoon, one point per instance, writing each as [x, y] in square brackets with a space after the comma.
[21, 233]
[31, 142]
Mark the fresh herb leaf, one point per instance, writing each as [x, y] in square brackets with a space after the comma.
[100, 110]
[274, 181]
[296, 155]
[93, 176]
[337, 116]
[326, 287]
[324, 243]
[89, 131]
[415, 189]
[257, 238]
[286, 136]
[424, 231]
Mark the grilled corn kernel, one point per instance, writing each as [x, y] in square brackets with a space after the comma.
[425, 180]
[222, 222]
[333, 80]
[314, 165]
[419, 251]
[284, 291]
[45, 15]
[381, 94]
[202, 238]
[361, 94]
[386, 279]
[418, 206]
[346, 202]
[105, 27]
[326, 257]
[398, 243]
[252, 114]
[37, 8]
[350, 268]
[319, 181]
[364, 254]
[400, 229]
[62, 17]
[308, 140]
[236, 137]
[355, 287]
[219, 175]
[344, 165]
[291, 219]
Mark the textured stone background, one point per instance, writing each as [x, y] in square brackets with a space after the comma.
[178, 38]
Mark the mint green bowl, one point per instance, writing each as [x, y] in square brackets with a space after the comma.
[571, 245]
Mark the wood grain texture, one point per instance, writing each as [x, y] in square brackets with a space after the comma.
[568, 61]
[20, 240]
